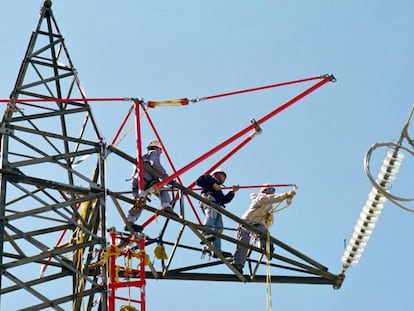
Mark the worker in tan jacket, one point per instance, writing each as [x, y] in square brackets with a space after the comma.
[256, 215]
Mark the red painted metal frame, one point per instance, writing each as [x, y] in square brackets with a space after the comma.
[220, 162]
[114, 284]
[324, 79]
[169, 160]
[122, 126]
[139, 164]
[243, 132]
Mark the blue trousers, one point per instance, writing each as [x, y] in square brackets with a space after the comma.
[213, 221]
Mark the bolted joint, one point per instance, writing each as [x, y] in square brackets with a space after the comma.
[47, 4]
[331, 77]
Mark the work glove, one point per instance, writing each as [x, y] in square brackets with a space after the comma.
[216, 187]
[290, 194]
[235, 188]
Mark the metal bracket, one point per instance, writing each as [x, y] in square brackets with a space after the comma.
[257, 127]
[6, 131]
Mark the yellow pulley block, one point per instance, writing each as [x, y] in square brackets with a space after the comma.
[128, 308]
[160, 253]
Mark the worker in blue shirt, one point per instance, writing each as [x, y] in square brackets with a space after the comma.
[211, 190]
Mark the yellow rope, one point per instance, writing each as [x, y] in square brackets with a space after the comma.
[78, 237]
[106, 254]
[269, 222]
[128, 269]
[138, 256]
[128, 265]
[117, 273]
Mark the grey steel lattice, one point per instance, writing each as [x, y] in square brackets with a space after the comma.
[48, 187]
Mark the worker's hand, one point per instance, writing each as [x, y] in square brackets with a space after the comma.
[216, 187]
[235, 188]
[290, 194]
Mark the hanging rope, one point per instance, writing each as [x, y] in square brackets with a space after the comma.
[107, 253]
[268, 269]
[128, 265]
[269, 223]
[128, 272]
[260, 88]
[117, 269]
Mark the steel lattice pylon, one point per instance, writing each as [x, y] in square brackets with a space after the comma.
[54, 198]
[44, 140]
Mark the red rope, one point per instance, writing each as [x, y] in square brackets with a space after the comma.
[243, 132]
[64, 100]
[122, 126]
[150, 103]
[165, 181]
[253, 186]
[225, 158]
[260, 88]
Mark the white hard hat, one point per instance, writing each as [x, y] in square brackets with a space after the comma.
[267, 187]
[154, 143]
[218, 170]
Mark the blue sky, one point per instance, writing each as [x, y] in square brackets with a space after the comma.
[172, 49]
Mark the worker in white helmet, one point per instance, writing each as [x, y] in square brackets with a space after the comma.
[211, 184]
[151, 157]
[256, 215]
